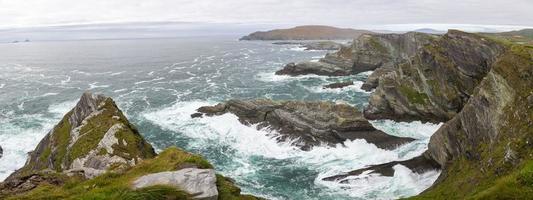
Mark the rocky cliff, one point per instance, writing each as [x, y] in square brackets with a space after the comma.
[437, 81]
[485, 151]
[306, 33]
[367, 52]
[94, 153]
[306, 124]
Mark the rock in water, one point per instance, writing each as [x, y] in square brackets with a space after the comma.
[89, 139]
[318, 68]
[307, 123]
[200, 183]
[338, 85]
[418, 164]
[322, 45]
[1, 152]
[367, 52]
[436, 82]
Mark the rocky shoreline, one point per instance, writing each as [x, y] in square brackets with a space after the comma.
[306, 124]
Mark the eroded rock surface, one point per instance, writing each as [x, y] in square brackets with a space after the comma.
[435, 84]
[367, 52]
[200, 183]
[90, 138]
[308, 124]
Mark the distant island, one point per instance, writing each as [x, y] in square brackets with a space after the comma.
[311, 32]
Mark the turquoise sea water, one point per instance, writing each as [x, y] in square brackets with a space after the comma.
[158, 83]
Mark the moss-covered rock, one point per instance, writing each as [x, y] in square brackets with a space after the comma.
[95, 153]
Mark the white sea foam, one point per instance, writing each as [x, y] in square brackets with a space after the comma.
[272, 77]
[2, 85]
[327, 161]
[355, 87]
[17, 140]
[94, 86]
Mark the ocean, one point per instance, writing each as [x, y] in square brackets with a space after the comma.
[158, 83]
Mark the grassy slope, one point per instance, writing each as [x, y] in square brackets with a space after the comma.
[116, 185]
[490, 177]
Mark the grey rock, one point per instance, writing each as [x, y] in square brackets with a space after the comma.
[318, 68]
[367, 52]
[436, 83]
[338, 85]
[419, 164]
[322, 45]
[200, 183]
[307, 124]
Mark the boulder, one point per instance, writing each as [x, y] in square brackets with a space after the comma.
[199, 183]
[307, 124]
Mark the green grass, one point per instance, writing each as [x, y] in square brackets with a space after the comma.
[491, 176]
[116, 185]
[413, 96]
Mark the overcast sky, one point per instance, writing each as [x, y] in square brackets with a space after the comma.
[346, 13]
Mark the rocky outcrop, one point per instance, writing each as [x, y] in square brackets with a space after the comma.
[307, 124]
[318, 68]
[373, 80]
[306, 33]
[94, 135]
[434, 84]
[200, 183]
[90, 138]
[489, 140]
[338, 85]
[368, 52]
[94, 153]
[485, 150]
[322, 45]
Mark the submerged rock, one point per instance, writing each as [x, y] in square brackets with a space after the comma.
[418, 164]
[308, 124]
[435, 83]
[338, 85]
[200, 183]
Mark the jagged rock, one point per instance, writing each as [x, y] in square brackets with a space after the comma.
[491, 133]
[1, 152]
[367, 52]
[419, 164]
[307, 123]
[435, 83]
[200, 183]
[318, 68]
[89, 139]
[338, 85]
[373, 80]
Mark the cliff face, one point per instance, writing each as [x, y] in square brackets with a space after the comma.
[367, 52]
[94, 153]
[306, 33]
[436, 82]
[486, 150]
